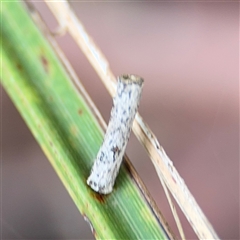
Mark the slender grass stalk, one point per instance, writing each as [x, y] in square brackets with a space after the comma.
[67, 130]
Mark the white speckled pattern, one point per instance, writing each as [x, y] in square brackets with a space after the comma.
[109, 157]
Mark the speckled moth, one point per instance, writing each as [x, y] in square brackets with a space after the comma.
[109, 157]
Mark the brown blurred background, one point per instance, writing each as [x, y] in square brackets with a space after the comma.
[188, 54]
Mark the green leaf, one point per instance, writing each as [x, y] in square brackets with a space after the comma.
[67, 130]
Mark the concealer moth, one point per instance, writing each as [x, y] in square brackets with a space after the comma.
[110, 155]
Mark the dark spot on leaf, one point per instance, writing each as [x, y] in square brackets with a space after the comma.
[80, 111]
[45, 63]
[19, 66]
[99, 197]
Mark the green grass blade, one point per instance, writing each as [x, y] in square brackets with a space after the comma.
[66, 130]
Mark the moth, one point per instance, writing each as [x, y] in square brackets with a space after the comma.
[109, 158]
